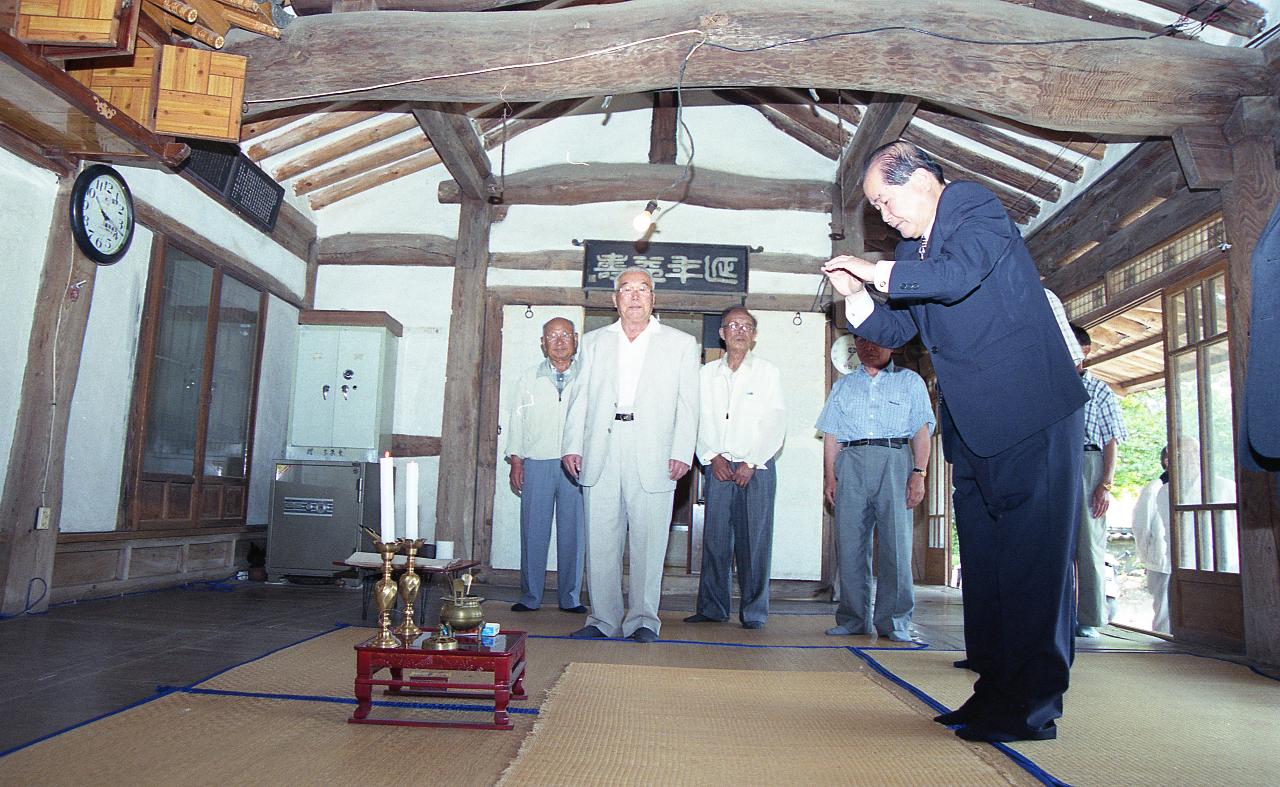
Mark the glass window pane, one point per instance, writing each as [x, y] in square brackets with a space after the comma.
[1185, 536]
[1186, 419]
[1219, 465]
[1195, 330]
[1226, 539]
[1204, 540]
[235, 351]
[174, 403]
[1216, 318]
[1178, 321]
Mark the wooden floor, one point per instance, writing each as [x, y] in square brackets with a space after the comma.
[79, 661]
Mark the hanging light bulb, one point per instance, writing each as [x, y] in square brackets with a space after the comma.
[645, 218]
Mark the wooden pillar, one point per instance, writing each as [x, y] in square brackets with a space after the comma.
[487, 464]
[460, 432]
[40, 430]
[1247, 202]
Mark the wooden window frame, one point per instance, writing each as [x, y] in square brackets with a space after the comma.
[201, 485]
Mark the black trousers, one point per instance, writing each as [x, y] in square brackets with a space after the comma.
[1017, 514]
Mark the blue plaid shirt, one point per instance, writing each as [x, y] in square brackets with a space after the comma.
[1102, 420]
[894, 403]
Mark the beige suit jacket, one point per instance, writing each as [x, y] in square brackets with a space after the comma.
[666, 406]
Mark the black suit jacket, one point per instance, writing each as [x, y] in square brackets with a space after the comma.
[1260, 426]
[977, 302]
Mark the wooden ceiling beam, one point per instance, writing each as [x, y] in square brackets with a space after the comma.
[317, 125]
[884, 121]
[1204, 155]
[815, 133]
[375, 177]
[253, 126]
[1117, 87]
[361, 165]
[1050, 163]
[662, 129]
[573, 184]
[385, 249]
[458, 144]
[1021, 207]
[309, 7]
[350, 143]
[1016, 179]
[1092, 13]
[1241, 17]
[1081, 144]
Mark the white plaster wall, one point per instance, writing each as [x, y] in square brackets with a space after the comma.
[735, 138]
[206, 218]
[407, 204]
[27, 196]
[275, 392]
[799, 353]
[420, 298]
[520, 350]
[93, 465]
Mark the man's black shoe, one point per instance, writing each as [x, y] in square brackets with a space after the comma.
[581, 609]
[518, 607]
[645, 635]
[588, 632]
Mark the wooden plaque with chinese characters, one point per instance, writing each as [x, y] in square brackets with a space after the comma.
[89, 23]
[200, 94]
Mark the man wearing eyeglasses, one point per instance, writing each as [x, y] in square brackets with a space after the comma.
[741, 426]
[546, 491]
[628, 438]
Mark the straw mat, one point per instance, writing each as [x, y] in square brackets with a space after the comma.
[1139, 718]
[622, 725]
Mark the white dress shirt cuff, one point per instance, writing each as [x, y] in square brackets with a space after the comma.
[858, 307]
[884, 269]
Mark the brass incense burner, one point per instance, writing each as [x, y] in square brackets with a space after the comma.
[460, 610]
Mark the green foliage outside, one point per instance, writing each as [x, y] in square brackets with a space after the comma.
[1138, 460]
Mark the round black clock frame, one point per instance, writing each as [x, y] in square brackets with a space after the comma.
[81, 221]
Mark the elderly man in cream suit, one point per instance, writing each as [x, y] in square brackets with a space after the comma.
[628, 438]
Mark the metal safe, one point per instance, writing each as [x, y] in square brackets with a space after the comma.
[317, 509]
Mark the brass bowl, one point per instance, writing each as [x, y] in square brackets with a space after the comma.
[462, 614]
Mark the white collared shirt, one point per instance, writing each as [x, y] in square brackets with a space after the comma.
[741, 413]
[631, 354]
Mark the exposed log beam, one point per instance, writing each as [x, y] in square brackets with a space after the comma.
[1092, 13]
[1176, 213]
[573, 184]
[1039, 158]
[362, 165]
[317, 126]
[377, 248]
[884, 121]
[458, 144]
[377, 132]
[307, 7]
[571, 260]
[375, 177]
[1076, 142]
[1242, 17]
[1136, 87]
[1021, 207]
[1205, 156]
[799, 109]
[802, 129]
[663, 131]
[1016, 179]
[260, 123]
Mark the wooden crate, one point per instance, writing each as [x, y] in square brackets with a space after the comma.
[128, 82]
[200, 94]
[88, 23]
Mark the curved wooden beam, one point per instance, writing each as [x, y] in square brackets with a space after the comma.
[1124, 87]
[573, 184]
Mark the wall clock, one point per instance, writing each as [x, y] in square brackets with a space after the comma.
[101, 214]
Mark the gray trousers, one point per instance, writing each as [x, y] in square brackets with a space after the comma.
[871, 493]
[1091, 550]
[738, 528]
[550, 493]
[620, 511]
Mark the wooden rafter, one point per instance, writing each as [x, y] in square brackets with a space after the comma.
[1242, 17]
[456, 141]
[1034, 184]
[884, 121]
[361, 165]
[816, 134]
[1122, 87]
[253, 126]
[385, 129]
[316, 126]
[375, 177]
[1021, 207]
[1051, 163]
[1092, 13]
[1081, 144]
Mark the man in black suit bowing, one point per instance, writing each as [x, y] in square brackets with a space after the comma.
[1011, 419]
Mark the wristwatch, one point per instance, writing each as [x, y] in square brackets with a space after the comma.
[1106, 485]
[920, 470]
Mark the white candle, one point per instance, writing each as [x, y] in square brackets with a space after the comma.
[411, 501]
[388, 493]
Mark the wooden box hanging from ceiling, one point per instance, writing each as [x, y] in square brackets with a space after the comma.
[75, 23]
[128, 82]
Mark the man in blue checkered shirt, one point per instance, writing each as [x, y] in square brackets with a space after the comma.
[877, 423]
[1103, 432]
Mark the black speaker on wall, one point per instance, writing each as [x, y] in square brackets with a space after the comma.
[222, 167]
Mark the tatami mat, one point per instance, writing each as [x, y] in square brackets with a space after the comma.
[1139, 718]
[638, 725]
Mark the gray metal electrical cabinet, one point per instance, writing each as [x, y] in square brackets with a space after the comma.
[317, 509]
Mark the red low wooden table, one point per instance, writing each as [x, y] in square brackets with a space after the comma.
[504, 659]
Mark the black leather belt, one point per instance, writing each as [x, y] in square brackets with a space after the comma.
[624, 416]
[883, 442]
[1092, 448]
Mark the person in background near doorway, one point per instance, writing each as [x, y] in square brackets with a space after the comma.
[1103, 432]
[1012, 424]
[876, 423]
[628, 438]
[1151, 532]
[741, 426]
[534, 432]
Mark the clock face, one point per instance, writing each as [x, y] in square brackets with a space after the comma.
[102, 214]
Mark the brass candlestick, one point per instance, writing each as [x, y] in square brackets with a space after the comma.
[410, 585]
[384, 592]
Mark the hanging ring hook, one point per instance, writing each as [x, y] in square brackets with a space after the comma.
[528, 312]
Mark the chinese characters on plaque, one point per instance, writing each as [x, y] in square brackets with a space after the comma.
[675, 267]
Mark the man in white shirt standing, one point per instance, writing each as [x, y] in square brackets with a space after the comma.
[628, 437]
[534, 432]
[741, 426]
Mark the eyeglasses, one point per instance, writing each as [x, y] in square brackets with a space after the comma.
[558, 335]
[629, 290]
[745, 327]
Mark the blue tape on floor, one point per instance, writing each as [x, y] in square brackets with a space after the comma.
[1040, 774]
[266, 695]
[699, 642]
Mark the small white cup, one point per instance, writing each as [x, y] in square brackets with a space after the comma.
[444, 550]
